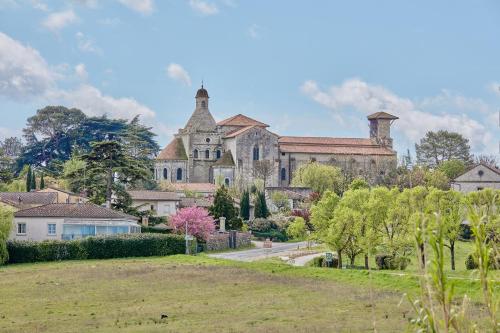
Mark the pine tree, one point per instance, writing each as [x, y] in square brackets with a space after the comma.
[223, 205]
[42, 182]
[245, 205]
[261, 210]
[28, 179]
[33, 180]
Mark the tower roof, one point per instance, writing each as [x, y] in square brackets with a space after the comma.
[202, 92]
[173, 151]
[381, 115]
[241, 120]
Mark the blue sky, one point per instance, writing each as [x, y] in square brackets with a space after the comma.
[306, 69]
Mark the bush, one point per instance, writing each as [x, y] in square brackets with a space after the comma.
[272, 235]
[101, 247]
[321, 262]
[471, 262]
[260, 225]
[387, 261]
[151, 230]
[236, 223]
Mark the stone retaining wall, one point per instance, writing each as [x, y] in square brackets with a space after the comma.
[220, 241]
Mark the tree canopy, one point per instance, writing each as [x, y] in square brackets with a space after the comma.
[319, 177]
[440, 146]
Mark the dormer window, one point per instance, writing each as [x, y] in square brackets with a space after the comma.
[203, 104]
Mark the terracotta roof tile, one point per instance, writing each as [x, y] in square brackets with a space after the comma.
[382, 115]
[196, 202]
[324, 140]
[173, 151]
[30, 198]
[84, 210]
[340, 150]
[153, 195]
[241, 120]
[237, 132]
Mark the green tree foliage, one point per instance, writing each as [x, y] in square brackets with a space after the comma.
[223, 205]
[10, 149]
[6, 217]
[261, 210]
[56, 133]
[109, 169]
[297, 229]
[437, 179]
[245, 206]
[280, 201]
[452, 168]
[74, 174]
[440, 146]
[319, 177]
[33, 180]
[358, 183]
[42, 182]
[28, 179]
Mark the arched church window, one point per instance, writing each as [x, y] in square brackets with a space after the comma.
[207, 154]
[179, 174]
[195, 153]
[217, 154]
[203, 104]
[283, 174]
[255, 153]
[165, 173]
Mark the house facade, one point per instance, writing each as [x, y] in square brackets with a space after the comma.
[70, 221]
[240, 149]
[477, 178]
[163, 204]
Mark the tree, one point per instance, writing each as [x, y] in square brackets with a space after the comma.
[74, 174]
[490, 160]
[358, 183]
[109, 168]
[319, 177]
[263, 169]
[448, 204]
[199, 223]
[6, 217]
[33, 180]
[42, 182]
[223, 205]
[437, 179]
[280, 201]
[440, 146]
[245, 206]
[297, 229]
[261, 210]
[28, 179]
[452, 168]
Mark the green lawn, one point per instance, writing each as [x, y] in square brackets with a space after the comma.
[200, 294]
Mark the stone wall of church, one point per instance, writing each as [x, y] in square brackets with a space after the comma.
[169, 170]
[267, 144]
[204, 149]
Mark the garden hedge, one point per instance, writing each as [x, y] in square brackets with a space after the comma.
[101, 247]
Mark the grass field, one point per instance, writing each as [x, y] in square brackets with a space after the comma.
[199, 294]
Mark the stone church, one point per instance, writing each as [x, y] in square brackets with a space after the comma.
[240, 149]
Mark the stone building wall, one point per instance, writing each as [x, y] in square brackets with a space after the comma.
[171, 166]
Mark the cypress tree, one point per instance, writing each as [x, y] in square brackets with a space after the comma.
[42, 182]
[28, 179]
[33, 181]
[223, 205]
[261, 210]
[245, 205]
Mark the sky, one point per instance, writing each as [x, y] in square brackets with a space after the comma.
[305, 68]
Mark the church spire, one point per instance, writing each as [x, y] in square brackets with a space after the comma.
[201, 120]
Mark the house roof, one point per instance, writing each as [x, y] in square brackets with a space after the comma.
[225, 160]
[241, 120]
[237, 132]
[381, 115]
[173, 151]
[326, 145]
[29, 198]
[195, 187]
[487, 166]
[153, 195]
[196, 202]
[53, 188]
[82, 210]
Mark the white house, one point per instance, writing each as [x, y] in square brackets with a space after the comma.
[479, 177]
[162, 203]
[70, 221]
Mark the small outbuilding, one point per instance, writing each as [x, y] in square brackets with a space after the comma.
[477, 178]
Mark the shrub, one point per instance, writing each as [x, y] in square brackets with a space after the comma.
[471, 262]
[272, 235]
[297, 229]
[260, 225]
[387, 261]
[236, 223]
[101, 247]
[321, 262]
[151, 230]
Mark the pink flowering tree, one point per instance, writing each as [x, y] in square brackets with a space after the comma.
[199, 223]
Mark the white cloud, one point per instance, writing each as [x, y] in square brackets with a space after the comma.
[23, 72]
[145, 7]
[110, 21]
[494, 87]
[81, 72]
[203, 7]
[178, 73]
[37, 4]
[87, 3]
[254, 31]
[86, 44]
[415, 120]
[93, 102]
[58, 20]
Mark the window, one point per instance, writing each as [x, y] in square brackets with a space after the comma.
[203, 104]
[51, 229]
[255, 153]
[283, 154]
[283, 174]
[152, 207]
[165, 173]
[480, 173]
[207, 140]
[207, 154]
[179, 174]
[218, 154]
[226, 181]
[21, 228]
[195, 153]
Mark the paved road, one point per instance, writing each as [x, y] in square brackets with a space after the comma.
[278, 249]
